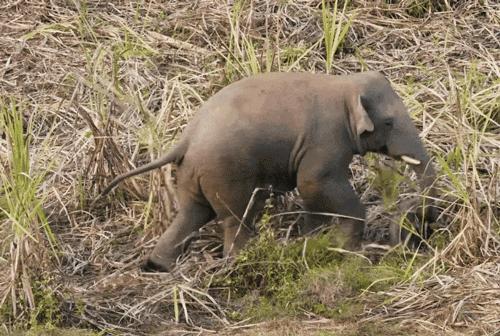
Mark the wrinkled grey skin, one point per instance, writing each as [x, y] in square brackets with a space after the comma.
[286, 130]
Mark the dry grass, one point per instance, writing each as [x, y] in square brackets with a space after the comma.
[106, 86]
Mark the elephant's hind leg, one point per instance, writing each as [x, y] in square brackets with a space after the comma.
[191, 217]
[230, 204]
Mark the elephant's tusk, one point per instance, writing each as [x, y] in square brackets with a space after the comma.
[410, 160]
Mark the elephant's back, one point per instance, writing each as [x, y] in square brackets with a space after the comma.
[252, 126]
[259, 103]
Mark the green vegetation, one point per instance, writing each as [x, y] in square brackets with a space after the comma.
[387, 182]
[421, 8]
[39, 331]
[335, 29]
[273, 279]
[21, 205]
[242, 59]
[22, 208]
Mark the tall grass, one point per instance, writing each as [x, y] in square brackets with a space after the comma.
[473, 189]
[27, 229]
[242, 58]
[335, 28]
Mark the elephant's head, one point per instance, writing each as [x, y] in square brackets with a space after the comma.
[379, 122]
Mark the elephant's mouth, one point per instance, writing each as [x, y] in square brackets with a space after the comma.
[410, 160]
[384, 150]
[406, 158]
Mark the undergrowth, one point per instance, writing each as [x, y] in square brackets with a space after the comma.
[273, 278]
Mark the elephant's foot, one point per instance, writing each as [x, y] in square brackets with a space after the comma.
[152, 264]
[351, 234]
[353, 244]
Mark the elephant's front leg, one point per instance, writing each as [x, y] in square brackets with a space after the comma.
[336, 196]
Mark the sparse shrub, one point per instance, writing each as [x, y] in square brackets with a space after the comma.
[48, 309]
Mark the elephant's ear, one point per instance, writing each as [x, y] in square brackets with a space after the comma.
[358, 118]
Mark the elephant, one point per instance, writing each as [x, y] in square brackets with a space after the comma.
[287, 131]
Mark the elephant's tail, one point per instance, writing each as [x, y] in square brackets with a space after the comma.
[175, 155]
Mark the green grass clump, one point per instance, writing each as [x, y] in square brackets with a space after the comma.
[421, 8]
[43, 331]
[271, 266]
[132, 46]
[272, 279]
[48, 310]
[335, 28]
[26, 228]
[387, 182]
[242, 59]
[20, 203]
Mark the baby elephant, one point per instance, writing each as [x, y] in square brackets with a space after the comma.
[283, 130]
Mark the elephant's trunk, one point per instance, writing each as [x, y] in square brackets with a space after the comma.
[426, 176]
[407, 146]
[416, 156]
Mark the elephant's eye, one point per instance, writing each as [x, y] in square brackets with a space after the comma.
[389, 122]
